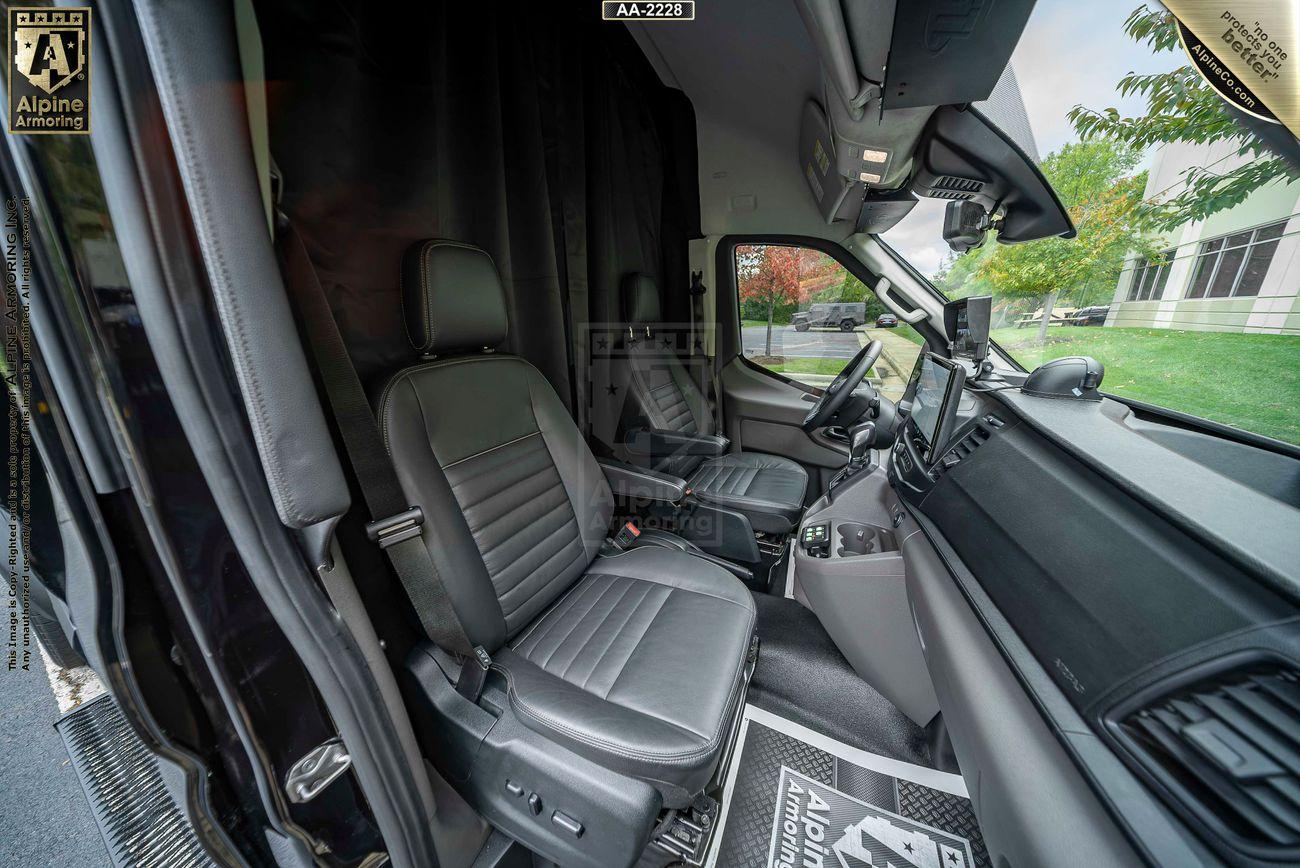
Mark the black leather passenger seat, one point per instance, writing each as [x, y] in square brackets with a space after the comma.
[634, 661]
[768, 489]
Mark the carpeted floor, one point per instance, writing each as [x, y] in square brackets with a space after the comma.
[802, 676]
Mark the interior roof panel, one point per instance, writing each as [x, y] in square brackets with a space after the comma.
[748, 69]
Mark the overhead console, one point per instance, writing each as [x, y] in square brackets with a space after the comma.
[895, 119]
[964, 156]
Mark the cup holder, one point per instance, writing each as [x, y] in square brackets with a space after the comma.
[863, 539]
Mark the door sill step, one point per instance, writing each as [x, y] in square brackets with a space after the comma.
[136, 814]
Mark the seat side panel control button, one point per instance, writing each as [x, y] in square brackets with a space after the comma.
[514, 789]
[567, 823]
[534, 803]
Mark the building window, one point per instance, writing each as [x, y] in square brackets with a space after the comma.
[1149, 279]
[1234, 266]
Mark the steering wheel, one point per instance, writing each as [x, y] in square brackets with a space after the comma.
[840, 388]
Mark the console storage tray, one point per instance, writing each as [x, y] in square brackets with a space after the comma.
[855, 539]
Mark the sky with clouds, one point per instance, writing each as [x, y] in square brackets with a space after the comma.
[1072, 52]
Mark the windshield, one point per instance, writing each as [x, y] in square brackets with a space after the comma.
[1183, 278]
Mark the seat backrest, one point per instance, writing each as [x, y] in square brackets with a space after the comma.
[516, 506]
[662, 390]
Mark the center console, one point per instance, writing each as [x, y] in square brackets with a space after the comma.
[849, 571]
[846, 539]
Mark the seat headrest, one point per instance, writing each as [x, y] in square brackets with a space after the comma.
[640, 299]
[452, 297]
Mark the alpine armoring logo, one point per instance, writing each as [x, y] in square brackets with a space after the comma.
[817, 826]
[49, 70]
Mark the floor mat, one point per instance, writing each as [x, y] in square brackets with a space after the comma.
[795, 798]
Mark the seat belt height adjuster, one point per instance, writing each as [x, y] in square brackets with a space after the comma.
[473, 673]
[396, 528]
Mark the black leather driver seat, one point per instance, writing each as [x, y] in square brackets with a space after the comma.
[769, 489]
[635, 661]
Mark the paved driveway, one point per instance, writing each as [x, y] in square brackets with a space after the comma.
[814, 343]
[44, 817]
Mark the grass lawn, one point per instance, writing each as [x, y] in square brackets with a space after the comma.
[1250, 381]
[903, 330]
[801, 364]
[776, 323]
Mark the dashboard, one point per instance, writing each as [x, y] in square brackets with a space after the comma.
[1107, 586]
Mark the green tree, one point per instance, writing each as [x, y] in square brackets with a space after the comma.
[958, 275]
[1095, 183]
[1181, 107]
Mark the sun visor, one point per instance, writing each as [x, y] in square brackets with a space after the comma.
[877, 149]
[946, 54]
[851, 165]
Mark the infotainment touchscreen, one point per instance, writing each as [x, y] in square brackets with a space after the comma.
[935, 388]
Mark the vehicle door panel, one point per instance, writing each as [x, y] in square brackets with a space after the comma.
[765, 413]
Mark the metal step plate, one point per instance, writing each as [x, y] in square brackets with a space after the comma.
[140, 821]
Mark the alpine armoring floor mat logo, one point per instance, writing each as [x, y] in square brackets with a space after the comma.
[795, 798]
[817, 825]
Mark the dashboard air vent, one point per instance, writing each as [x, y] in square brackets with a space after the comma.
[954, 187]
[962, 450]
[1227, 750]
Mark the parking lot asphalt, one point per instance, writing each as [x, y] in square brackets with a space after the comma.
[814, 343]
[44, 816]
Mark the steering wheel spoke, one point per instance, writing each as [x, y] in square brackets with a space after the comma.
[838, 391]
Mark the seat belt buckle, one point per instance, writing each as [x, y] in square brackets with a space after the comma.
[484, 659]
[396, 528]
[626, 535]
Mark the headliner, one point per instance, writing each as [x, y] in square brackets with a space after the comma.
[747, 68]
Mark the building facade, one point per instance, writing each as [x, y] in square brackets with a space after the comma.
[1238, 270]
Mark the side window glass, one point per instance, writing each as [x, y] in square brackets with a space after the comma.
[803, 316]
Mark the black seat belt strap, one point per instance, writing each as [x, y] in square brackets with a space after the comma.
[397, 525]
[707, 380]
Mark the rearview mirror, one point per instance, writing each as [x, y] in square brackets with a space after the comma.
[965, 225]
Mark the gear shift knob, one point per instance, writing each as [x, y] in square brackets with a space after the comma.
[861, 438]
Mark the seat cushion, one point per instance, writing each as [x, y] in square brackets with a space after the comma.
[767, 488]
[639, 667]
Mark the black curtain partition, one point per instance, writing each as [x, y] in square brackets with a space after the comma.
[542, 136]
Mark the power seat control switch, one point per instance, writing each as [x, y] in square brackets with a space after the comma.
[567, 823]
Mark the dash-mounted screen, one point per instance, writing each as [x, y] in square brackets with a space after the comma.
[935, 387]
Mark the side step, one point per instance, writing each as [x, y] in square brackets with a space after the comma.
[139, 819]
